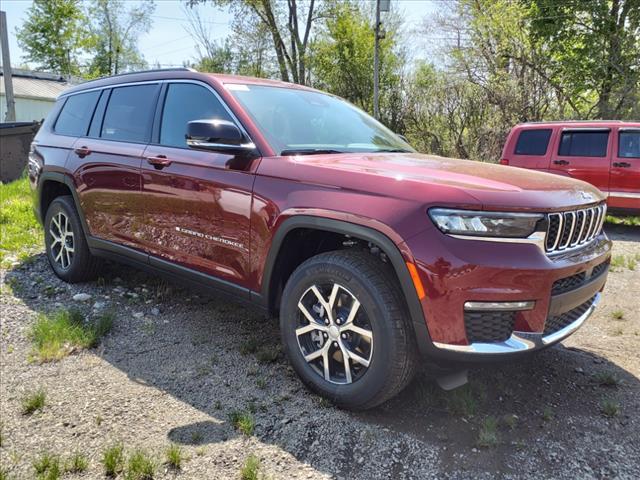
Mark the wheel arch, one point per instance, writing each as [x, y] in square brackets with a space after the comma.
[55, 184]
[323, 225]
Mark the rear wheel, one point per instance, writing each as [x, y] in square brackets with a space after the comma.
[66, 246]
[345, 331]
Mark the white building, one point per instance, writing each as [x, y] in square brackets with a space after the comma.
[34, 94]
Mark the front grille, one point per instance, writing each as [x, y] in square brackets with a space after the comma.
[490, 326]
[576, 281]
[557, 323]
[567, 230]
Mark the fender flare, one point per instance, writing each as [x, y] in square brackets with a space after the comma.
[364, 233]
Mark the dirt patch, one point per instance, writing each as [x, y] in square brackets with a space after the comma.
[178, 364]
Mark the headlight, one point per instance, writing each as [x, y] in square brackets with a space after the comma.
[485, 224]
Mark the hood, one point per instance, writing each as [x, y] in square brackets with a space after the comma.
[433, 179]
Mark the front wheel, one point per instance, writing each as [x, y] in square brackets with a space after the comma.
[345, 330]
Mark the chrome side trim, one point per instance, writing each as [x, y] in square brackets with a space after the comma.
[536, 238]
[624, 194]
[522, 341]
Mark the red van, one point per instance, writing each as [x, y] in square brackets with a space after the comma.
[603, 153]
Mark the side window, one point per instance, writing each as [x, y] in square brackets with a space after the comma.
[76, 114]
[584, 144]
[129, 114]
[533, 142]
[186, 102]
[629, 144]
[96, 121]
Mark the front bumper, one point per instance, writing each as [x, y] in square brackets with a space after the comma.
[457, 271]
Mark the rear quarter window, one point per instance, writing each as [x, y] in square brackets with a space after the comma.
[584, 144]
[533, 142]
[629, 144]
[76, 114]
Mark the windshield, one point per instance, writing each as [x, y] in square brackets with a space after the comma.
[301, 121]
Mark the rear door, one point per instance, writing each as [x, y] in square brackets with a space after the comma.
[583, 154]
[107, 161]
[197, 203]
[624, 185]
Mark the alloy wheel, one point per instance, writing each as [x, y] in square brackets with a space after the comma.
[334, 333]
[62, 244]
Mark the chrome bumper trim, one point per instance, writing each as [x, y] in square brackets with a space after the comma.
[522, 341]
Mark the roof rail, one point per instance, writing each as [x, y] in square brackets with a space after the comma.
[574, 121]
[173, 69]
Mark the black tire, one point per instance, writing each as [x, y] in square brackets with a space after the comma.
[72, 267]
[393, 352]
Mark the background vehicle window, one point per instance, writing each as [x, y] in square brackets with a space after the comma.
[629, 145]
[186, 102]
[76, 114]
[533, 142]
[129, 113]
[584, 144]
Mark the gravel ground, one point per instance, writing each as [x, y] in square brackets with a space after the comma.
[178, 362]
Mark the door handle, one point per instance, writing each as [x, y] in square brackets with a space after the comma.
[561, 162]
[621, 164]
[82, 151]
[159, 161]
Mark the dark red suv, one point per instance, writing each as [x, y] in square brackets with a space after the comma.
[376, 258]
[603, 153]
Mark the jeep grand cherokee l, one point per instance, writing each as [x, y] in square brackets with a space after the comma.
[376, 258]
[603, 153]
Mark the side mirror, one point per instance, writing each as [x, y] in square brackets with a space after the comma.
[217, 134]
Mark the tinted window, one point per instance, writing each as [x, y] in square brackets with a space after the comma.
[533, 142]
[129, 113]
[629, 145]
[76, 114]
[186, 102]
[96, 122]
[584, 144]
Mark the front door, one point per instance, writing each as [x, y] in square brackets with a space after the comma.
[583, 154]
[624, 189]
[197, 203]
[106, 163]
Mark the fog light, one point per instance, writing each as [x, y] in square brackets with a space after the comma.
[513, 306]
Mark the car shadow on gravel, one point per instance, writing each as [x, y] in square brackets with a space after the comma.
[627, 233]
[222, 359]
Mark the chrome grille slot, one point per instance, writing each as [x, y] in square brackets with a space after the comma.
[572, 229]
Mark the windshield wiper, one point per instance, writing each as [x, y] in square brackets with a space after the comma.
[392, 150]
[308, 151]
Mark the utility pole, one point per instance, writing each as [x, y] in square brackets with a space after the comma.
[6, 69]
[381, 6]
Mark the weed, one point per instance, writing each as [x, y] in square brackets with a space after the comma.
[173, 456]
[261, 383]
[57, 335]
[630, 221]
[47, 466]
[21, 232]
[510, 420]
[607, 379]
[251, 468]
[197, 437]
[4, 473]
[610, 408]
[77, 463]
[33, 402]
[250, 345]
[217, 405]
[462, 401]
[488, 433]
[268, 354]
[99, 420]
[214, 359]
[243, 421]
[632, 263]
[617, 332]
[140, 466]
[113, 459]
[618, 261]
[548, 414]
[618, 314]
[200, 451]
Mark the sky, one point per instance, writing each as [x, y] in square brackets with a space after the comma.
[168, 42]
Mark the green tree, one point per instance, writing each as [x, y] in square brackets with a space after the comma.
[54, 35]
[342, 61]
[594, 52]
[288, 24]
[116, 30]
